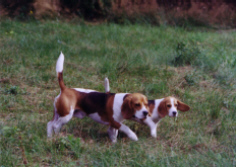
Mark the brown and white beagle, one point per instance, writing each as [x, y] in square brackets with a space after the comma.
[158, 109]
[106, 108]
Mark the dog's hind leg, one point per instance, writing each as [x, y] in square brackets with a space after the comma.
[49, 128]
[51, 123]
[62, 121]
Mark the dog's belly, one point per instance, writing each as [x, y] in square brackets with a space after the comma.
[79, 114]
[97, 118]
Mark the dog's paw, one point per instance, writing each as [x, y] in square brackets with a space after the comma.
[154, 133]
[133, 136]
[113, 141]
[113, 138]
[49, 135]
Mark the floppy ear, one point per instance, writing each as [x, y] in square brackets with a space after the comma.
[126, 109]
[182, 107]
[162, 110]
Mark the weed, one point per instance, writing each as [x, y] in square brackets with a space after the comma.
[12, 90]
[186, 54]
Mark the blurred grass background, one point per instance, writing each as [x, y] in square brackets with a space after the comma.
[198, 66]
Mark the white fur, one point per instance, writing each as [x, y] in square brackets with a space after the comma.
[106, 85]
[155, 117]
[172, 109]
[118, 101]
[153, 121]
[140, 113]
[49, 129]
[60, 62]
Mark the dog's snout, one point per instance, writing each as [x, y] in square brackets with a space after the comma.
[145, 113]
[174, 113]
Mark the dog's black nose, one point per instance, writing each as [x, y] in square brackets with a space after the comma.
[174, 113]
[145, 113]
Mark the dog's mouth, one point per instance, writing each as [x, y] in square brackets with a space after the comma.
[138, 119]
[174, 116]
[135, 118]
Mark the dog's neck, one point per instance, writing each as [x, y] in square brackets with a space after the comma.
[154, 107]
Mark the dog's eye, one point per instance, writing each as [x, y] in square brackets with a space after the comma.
[168, 105]
[137, 105]
[176, 105]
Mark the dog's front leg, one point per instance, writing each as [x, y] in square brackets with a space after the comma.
[152, 125]
[113, 132]
[123, 128]
[129, 132]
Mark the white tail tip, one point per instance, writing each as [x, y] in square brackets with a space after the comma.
[60, 62]
[106, 85]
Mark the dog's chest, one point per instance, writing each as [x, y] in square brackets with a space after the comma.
[118, 101]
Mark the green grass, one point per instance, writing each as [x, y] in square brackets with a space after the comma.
[197, 66]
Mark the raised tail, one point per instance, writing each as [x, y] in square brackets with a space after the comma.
[59, 70]
[106, 85]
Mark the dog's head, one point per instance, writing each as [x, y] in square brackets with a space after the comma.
[170, 105]
[135, 106]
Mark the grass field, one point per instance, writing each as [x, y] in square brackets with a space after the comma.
[198, 66]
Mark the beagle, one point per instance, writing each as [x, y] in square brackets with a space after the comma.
[106, 108]
[158, 109]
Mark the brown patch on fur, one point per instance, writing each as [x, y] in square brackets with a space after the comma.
[126, 108]
[182, 106]
[65, 101]
[60, 80]
[151, 105]
[162, 109]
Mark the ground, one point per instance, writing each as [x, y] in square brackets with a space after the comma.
[196, 65]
